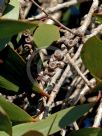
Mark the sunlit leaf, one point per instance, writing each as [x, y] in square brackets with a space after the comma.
[45, 35]
[12, 10]
[5, 124]
[15, 113]
[8, 27]
[13, 67]
[92, 56]
[63, 118]
[4, 83]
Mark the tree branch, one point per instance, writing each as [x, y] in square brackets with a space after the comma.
[58, 7]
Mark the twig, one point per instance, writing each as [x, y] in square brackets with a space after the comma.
[87, 20]
[61, 80]
[79, 92]
[27, 9]
[55, 20]
[57, 87]
[86, 89]
[78, 70]
[77, 83]
[56, 104]
[94, 32]
[73, 99]
[98, 116]
[77, 54]
[63, 132]
[56, 76]
[75, 125]
[58, 7]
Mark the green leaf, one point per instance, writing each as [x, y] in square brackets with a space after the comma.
[92, 56]
[13, 67]
[12, 10]
[16, 114]
[63, 118]
[3, 133]
[45, 35]
[32, 133]
[8, 27]
[36, 88]
[87, 132]
[5, 124]
[4, 83]
[98, 18]
[3, 43]
[14, 70]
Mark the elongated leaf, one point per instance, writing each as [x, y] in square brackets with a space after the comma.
[5, 124]
[12, 10]
[9, 27]
[29, 133]
[87, 132]
[62, 119]
[15, 113]
[13, 67]
[4, 83]
[45, 35]
[14, 70]
[92, 56]
[3, 133]
[36, 88]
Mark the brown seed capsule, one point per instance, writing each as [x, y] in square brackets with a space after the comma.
[46, 78]
[28, 40]
[41, 74]
[66, 60]
[63, 47]
[58, 55]
[28, 45]
[52, 65]
[46, 71]
[26, 33]
[51, 73]
[61, 64]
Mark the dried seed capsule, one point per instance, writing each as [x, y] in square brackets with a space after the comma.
[61, 64]
[46, 71]
[28, 39]
[51, 59]
[66, 60]
[63, 47]
[41, 74]
[26, 33]
[51, 73]
[58, 55]
[52, 65]
[28, 45]
[46, 78]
